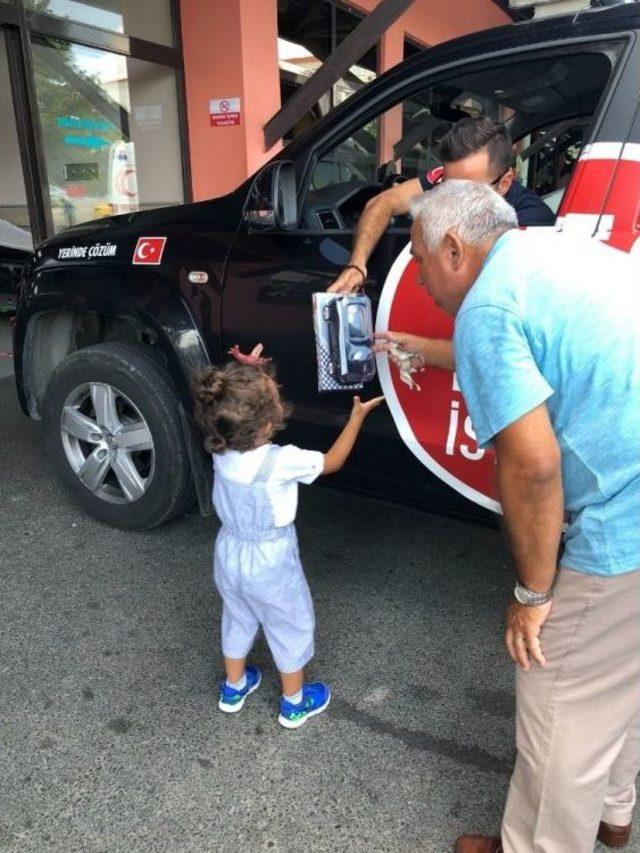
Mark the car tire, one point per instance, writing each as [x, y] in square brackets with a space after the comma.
[131, 468]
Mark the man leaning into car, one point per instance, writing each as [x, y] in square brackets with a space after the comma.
[548, 361]
[475, 149]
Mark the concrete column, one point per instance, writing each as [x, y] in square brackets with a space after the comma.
[230, 51]
[391, 53]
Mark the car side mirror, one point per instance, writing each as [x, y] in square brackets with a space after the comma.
[272, 201]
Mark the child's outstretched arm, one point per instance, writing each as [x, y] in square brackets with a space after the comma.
[335, 458]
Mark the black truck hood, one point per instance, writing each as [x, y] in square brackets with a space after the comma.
[220, 214]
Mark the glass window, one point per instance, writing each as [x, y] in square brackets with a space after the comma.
[146, 19]
[364, 71]
[307, 34]
[14, 214]
[296, 65]
[547, 155]
[547, 104]
[304, 42]
[110, 132]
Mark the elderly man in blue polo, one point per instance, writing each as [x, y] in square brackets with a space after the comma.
[547, 353]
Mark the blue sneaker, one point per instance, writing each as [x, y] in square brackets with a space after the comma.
[231, 701]
[315, 698]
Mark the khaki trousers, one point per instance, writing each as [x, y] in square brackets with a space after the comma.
[578, 719]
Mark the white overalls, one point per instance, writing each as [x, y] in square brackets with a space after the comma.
[257, 568]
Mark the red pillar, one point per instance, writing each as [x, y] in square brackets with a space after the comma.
[391, 52]
[230, 51]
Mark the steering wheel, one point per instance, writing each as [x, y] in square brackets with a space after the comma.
[388, 182]
[392, 179]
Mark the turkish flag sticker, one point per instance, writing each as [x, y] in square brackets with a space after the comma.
[149, 250]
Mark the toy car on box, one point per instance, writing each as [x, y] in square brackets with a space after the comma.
[351, 339]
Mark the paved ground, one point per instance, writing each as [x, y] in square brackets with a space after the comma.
[109, 737]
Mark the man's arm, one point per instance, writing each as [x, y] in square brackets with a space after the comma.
[371, 226]
[530, 489]
[429, 352]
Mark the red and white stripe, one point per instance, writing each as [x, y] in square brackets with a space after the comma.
[603, 198]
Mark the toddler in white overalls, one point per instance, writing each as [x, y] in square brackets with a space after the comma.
[257, 567]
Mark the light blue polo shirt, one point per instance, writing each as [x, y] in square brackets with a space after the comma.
[556, 318]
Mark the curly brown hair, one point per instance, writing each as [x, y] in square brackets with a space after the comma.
[234, 404]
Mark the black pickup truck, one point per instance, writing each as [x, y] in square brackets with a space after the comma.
[115, 316]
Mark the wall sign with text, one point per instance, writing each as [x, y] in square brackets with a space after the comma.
[224, 111]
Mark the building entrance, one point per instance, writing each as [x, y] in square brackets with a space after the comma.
[91, 114]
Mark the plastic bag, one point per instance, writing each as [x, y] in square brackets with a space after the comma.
[344, 341]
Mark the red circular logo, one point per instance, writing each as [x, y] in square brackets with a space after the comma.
[435, 175]
[433, 422]
[126, 182]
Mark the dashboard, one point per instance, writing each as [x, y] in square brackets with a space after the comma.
[338, 206]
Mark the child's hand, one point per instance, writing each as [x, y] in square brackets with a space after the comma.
[338, 454]
[361, 410]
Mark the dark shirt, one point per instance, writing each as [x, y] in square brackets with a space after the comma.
[529, 209]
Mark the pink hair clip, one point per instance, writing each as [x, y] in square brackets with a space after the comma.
[253, 359]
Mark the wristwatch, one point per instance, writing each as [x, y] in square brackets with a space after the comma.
[530, 598]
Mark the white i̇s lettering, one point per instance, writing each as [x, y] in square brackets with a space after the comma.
[454, 417]
[473, 455]
[453, 428]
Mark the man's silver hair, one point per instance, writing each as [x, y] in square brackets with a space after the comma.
[475, 211]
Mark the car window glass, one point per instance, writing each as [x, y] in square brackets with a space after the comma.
[357, 321]
[546, 157]
[548, 103]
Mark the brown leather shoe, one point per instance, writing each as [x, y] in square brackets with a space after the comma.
[614, 836]
[478, 844]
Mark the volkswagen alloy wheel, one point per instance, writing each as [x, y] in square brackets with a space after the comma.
[107, 442]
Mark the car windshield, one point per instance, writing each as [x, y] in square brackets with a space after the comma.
[357, 319]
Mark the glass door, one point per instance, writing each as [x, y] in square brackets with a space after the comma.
[15, 229]
[110, 132]
[15, 232]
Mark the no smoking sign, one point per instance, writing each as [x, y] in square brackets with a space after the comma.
[433, 422]
[224, 111]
